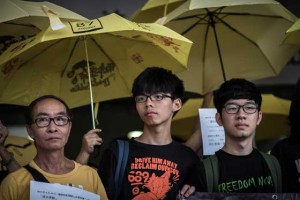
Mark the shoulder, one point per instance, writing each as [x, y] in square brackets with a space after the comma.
[17, 178]
[184, 150]
[86, 168]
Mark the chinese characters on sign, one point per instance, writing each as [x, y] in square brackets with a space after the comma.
[212, 134]
[41, 190]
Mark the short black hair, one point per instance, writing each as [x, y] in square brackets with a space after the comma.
[236, 89]
[28, 112]
[156, 79]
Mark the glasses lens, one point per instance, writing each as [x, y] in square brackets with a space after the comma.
[157, 97]
[45, 121]
[42, 121]
[250, 108]
[232, 108]
[140, 98]
[61, 120]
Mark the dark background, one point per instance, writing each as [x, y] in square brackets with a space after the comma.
[118, 117]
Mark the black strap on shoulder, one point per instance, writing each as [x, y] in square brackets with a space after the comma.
[123, 151]
[275, 170]
[211, 166]
[36, 174]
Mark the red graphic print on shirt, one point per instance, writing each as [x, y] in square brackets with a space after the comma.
[151, 178]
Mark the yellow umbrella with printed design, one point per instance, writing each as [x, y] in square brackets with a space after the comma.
[99, 58]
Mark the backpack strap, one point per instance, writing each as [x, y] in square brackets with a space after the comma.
[36, 174]
[275, 170]
[123, 151]
[211, 166]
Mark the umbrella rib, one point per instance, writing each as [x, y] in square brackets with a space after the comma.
[212, 24]
[103, 51]
[201, 17]
[244, 36]
[204, 50]
[39, 53]
[68, 60]
[17, 24]
[254, 15]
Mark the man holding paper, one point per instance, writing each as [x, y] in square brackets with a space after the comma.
[48, 120]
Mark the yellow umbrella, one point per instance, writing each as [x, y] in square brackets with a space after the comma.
[23, 149]
[155, 9]
[274, 124]
[232, 39]
[22, 19]
[106, 53]
[293, 34]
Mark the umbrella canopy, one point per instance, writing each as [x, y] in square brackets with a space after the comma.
[154, 9]
[232, 39]
[293, 34]
[273, 125]
[22, 19]
[106, 53]
[23, 149]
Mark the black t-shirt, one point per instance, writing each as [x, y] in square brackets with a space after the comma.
[153, 171]
[244, 174]
[288, 155]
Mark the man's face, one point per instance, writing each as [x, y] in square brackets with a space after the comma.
[240, 124]
[154, 112]
[53, 136]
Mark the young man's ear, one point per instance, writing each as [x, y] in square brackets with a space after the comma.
[177, 104]
[218, 118]
[259, 118]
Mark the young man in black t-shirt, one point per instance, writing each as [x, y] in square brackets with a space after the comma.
[242, 168]
[158, 167]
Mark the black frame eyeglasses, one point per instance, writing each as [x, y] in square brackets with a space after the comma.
[248, 108]
[154, 97]
[42, 122]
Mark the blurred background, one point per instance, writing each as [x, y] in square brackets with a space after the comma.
[118, 117]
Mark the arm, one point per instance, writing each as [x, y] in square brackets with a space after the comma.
[90, 139]
[7, 158]
[195, 140]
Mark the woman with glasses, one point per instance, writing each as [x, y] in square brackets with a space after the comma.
[48, 120]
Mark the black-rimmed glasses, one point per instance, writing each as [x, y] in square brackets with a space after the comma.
[153, 97]
[42, 122]
[248, 108]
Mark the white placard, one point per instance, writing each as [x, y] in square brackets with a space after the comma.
[55, 191]
[212, 134]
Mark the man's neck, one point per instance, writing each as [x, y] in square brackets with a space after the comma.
[155, 136]
[240, 148]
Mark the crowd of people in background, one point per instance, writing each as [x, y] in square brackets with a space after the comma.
[157, 166]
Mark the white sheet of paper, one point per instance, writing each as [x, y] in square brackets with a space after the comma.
[55, 191]
[212, 134]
